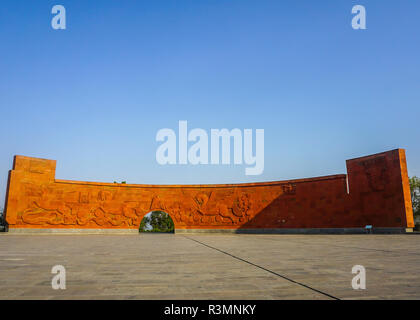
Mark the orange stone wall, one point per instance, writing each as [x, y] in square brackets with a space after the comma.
[375, 192]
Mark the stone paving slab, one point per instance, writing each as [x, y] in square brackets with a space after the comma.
[212, 266]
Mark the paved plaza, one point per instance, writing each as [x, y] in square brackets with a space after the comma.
[209, 266]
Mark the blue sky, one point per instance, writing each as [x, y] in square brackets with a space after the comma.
[93, 96]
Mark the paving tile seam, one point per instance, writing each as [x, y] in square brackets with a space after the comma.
[265, 269]
[349, 247]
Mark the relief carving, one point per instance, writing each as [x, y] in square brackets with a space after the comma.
[289, 189]
[376, 173]
[41, 201]
[187, 209]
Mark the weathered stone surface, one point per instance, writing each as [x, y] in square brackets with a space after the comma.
[377, 193]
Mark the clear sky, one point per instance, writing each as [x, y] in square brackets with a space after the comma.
[93, 96]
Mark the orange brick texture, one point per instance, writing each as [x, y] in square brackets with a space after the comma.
[374, 192]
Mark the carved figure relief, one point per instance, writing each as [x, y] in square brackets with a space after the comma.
[36, 199]
[376, 173]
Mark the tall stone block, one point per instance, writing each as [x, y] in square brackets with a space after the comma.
[379, 190]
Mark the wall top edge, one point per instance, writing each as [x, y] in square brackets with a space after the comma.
[376, 154]
[250, 184]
